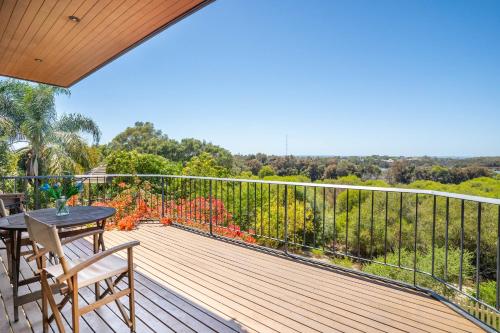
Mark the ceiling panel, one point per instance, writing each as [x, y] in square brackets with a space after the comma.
[60, 42]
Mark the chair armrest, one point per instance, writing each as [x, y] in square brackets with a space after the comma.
[93, 259]
[83, 234]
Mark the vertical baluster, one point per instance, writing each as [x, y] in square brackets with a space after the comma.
[498, 262]
[190, 200]
[240, 215]
[210, 206]
[168, 202]
[286, 218]
[446, 234]
[261, 210]
[334, 219]
[277, 211]
[415, 242]
[305, 208]
[359, 225]
[195, 201]
[324, 212]
[294, 214]
[385, 226]
[269, 211]
[347, 221]
[478, 250]
[371, 223]
[433, 232]
[255, 208]
[462, 231]
[216, 190]
[234, 206]
[248, 223]
[222, 205]
[227, 206]
[162, 196]
[314, 218]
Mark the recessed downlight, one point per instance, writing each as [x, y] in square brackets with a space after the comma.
[74, 19]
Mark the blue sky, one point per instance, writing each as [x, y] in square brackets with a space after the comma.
[338, 77]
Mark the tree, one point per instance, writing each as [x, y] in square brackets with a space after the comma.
[142, 137]
[254, 165]
[132, 162]
[330, 171]
[204, 165]
[346, 168]
[52, 144]
[401, 172]
[266, 171]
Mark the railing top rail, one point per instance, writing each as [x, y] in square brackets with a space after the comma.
[321, 185]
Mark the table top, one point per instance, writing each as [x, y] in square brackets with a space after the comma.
[78, 215]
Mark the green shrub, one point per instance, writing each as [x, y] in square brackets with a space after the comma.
[424, 263]
[487, 292]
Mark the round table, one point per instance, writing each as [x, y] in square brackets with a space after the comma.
[78, 216]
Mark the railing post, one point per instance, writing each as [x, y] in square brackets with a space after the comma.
[210, 206]
[286, 219]
[162, 196]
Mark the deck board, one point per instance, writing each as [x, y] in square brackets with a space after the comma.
[186, 282]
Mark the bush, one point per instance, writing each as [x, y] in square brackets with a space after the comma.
[424, 263]
[487, 292]
[266, 171]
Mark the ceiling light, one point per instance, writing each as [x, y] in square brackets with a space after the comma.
[74, 19]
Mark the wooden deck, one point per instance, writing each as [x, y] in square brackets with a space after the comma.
[186, 282]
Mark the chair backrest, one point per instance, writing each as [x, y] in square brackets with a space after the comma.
[44, 234]
[3, 211]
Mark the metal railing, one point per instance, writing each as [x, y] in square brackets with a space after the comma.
[445, 243]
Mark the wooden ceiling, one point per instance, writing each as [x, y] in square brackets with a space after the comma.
[59, 42]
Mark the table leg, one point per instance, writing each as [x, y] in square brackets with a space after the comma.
[102, 225]
[16, 259]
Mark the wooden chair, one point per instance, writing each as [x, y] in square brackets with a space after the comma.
[71, 275]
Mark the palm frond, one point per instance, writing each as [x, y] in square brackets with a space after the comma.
[77, 123]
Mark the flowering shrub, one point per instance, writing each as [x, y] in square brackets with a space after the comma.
[195, 213]
[134, 205]
[131, 208]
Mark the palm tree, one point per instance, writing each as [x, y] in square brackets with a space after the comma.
[52, 144]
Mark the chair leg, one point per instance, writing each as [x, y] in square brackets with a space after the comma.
[131, 297]
[74, 305]
[97, 288]
[45, 319]
[50, 298]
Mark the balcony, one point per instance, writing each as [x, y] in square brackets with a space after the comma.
[250, 255]
[189, 282]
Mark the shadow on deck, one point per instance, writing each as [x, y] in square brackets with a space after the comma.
[186, 282]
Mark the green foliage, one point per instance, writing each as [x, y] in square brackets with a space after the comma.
[342, 262]
[144, 138]
[488, 292]
[8, 160]
[53, 144]
[424, 263]
[132, 162]
[66, 188]
[204, 165]
[266, 171]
